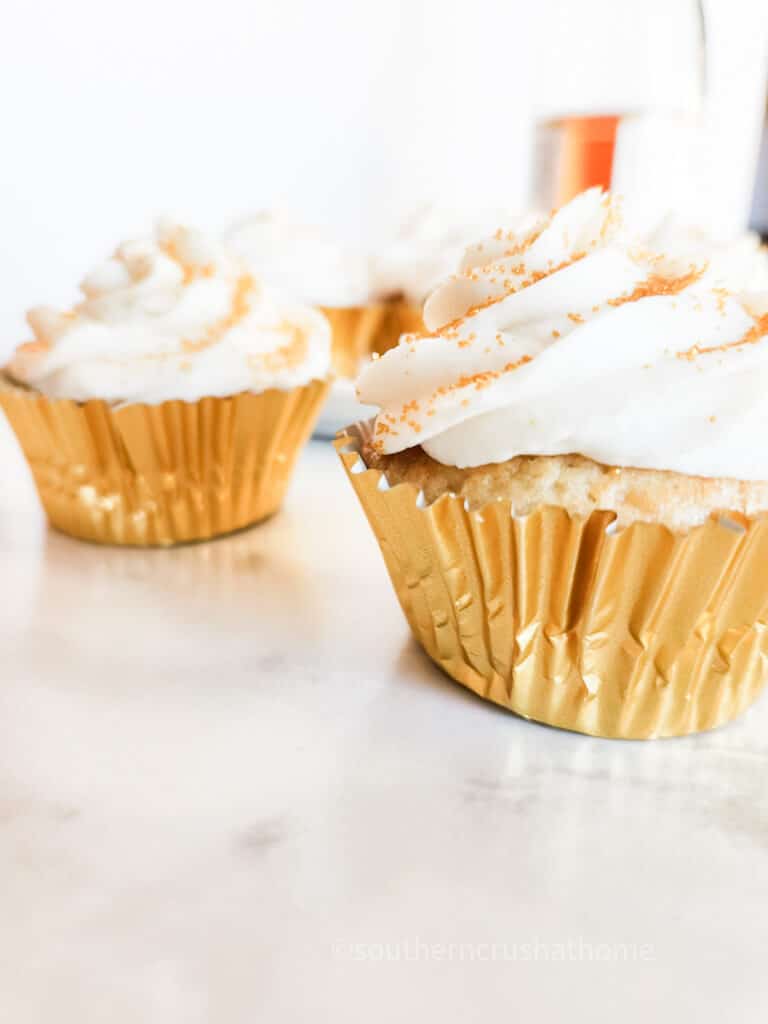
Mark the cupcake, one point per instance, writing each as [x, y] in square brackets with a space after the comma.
[566, 480]
[426, 249]
[171, 403]
[306, 262]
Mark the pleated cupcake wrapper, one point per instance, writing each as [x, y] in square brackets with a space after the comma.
[631, 633]
[161, 474]
[355, 330]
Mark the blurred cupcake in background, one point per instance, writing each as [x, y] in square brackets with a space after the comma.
[566, 475]
[736, 264]
[306, 262]
[426, 249]
[309, 263]
[171, 403]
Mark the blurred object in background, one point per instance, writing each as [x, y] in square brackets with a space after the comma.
[661, 103]
[759, 217]
[622, 85]
[574, 154]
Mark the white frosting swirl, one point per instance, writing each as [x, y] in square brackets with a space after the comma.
[573, 339]
[176, 316]
[302, 260]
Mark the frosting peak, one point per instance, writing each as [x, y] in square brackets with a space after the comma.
[177, 315]
[568, 335]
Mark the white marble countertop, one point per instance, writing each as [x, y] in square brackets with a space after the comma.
[233, 790]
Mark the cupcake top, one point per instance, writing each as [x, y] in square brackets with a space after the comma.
[425, 251]
[302, 260]
[573, 338]
[175, 316]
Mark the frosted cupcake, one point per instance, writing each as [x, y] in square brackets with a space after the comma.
[171, 403]
[306, 262]
[566, 482]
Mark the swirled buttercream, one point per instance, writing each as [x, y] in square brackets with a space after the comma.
[572, 337]
[175, 316]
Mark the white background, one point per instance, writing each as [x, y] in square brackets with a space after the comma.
[344, 112]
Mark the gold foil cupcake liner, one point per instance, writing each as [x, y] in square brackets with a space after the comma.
[161, 474]
[632, 633]
[355, 330]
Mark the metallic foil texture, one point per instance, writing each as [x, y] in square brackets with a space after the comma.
[359, 331]
[355, 330]
[161, 474]
[632, 633]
